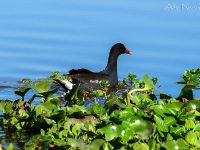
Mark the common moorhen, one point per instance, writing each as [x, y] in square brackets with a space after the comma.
[90, 79]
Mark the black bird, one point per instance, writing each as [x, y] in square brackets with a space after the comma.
[88, 78]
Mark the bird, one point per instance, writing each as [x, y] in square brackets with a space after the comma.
[90, 79]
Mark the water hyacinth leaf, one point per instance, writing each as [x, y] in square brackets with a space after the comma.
[42, 132]
[76, 129]
[189, 124]
[18, 126]
[193, 105]
[25, 81]
[57, 75]
[36, 140]
[98, 93]
[107, 146]
[21, 91]
[175, 105]
[169, 121]
[41, 86]
[141, 127]
[47, 95]
[96, 144]
[140, 146]
[148, 83]
[10, 147]
[132, 77]
[110, 132]
[59, 142]
[63, 133]
[161, 126]
[56, 101]
[171, 145]
[104, 84]
[23, 114]
[97, 109]
[2, 106]
[111, 101]
[131, 128]
[197, 127]
[49, 121]
[182, 144]
[177, 130]
[72, 142]
[13, 120]
[8, 107]
[49, 105]
[76, 108]
[136, 99]
[172, 111]
[191, 78]
[126, 135]
[127, 114]
[42, 110]
[90, 126]
[152, 144]
[191, 137]
[160, 110]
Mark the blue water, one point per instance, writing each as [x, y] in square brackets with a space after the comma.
[38, 37]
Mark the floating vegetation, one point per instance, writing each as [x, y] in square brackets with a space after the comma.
[136, 115]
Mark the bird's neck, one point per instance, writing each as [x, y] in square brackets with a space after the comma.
[111, 66]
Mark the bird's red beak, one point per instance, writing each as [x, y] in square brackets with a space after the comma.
[127, 51]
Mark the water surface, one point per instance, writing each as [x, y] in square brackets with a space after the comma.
[38, 37]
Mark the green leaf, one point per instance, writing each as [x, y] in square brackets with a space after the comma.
[160, 110]
[148, 83]
[193, 105]
[96, 144]
[49, 121]
[197, 127]
[23, 114]
[42, 110]
[97, 109]
[168, 121]
[98, 93]
[177, 106]
[21, 91]
[171, 145]
[191, 137]
[10, 147]
[59, 142]
[189, 124]
[152, 144]
[41, 86]
[72, 142]
[110, 132]
[107, 146]
[76, 108]
[182, 144]
[9, 107]
[191, 78]
[76, 129]
[177, 130]
[140, 146]
[160, 124]
[13, 120]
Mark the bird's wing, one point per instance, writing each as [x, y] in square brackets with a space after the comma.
[79, 71]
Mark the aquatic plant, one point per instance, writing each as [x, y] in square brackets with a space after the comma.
[136, 115]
